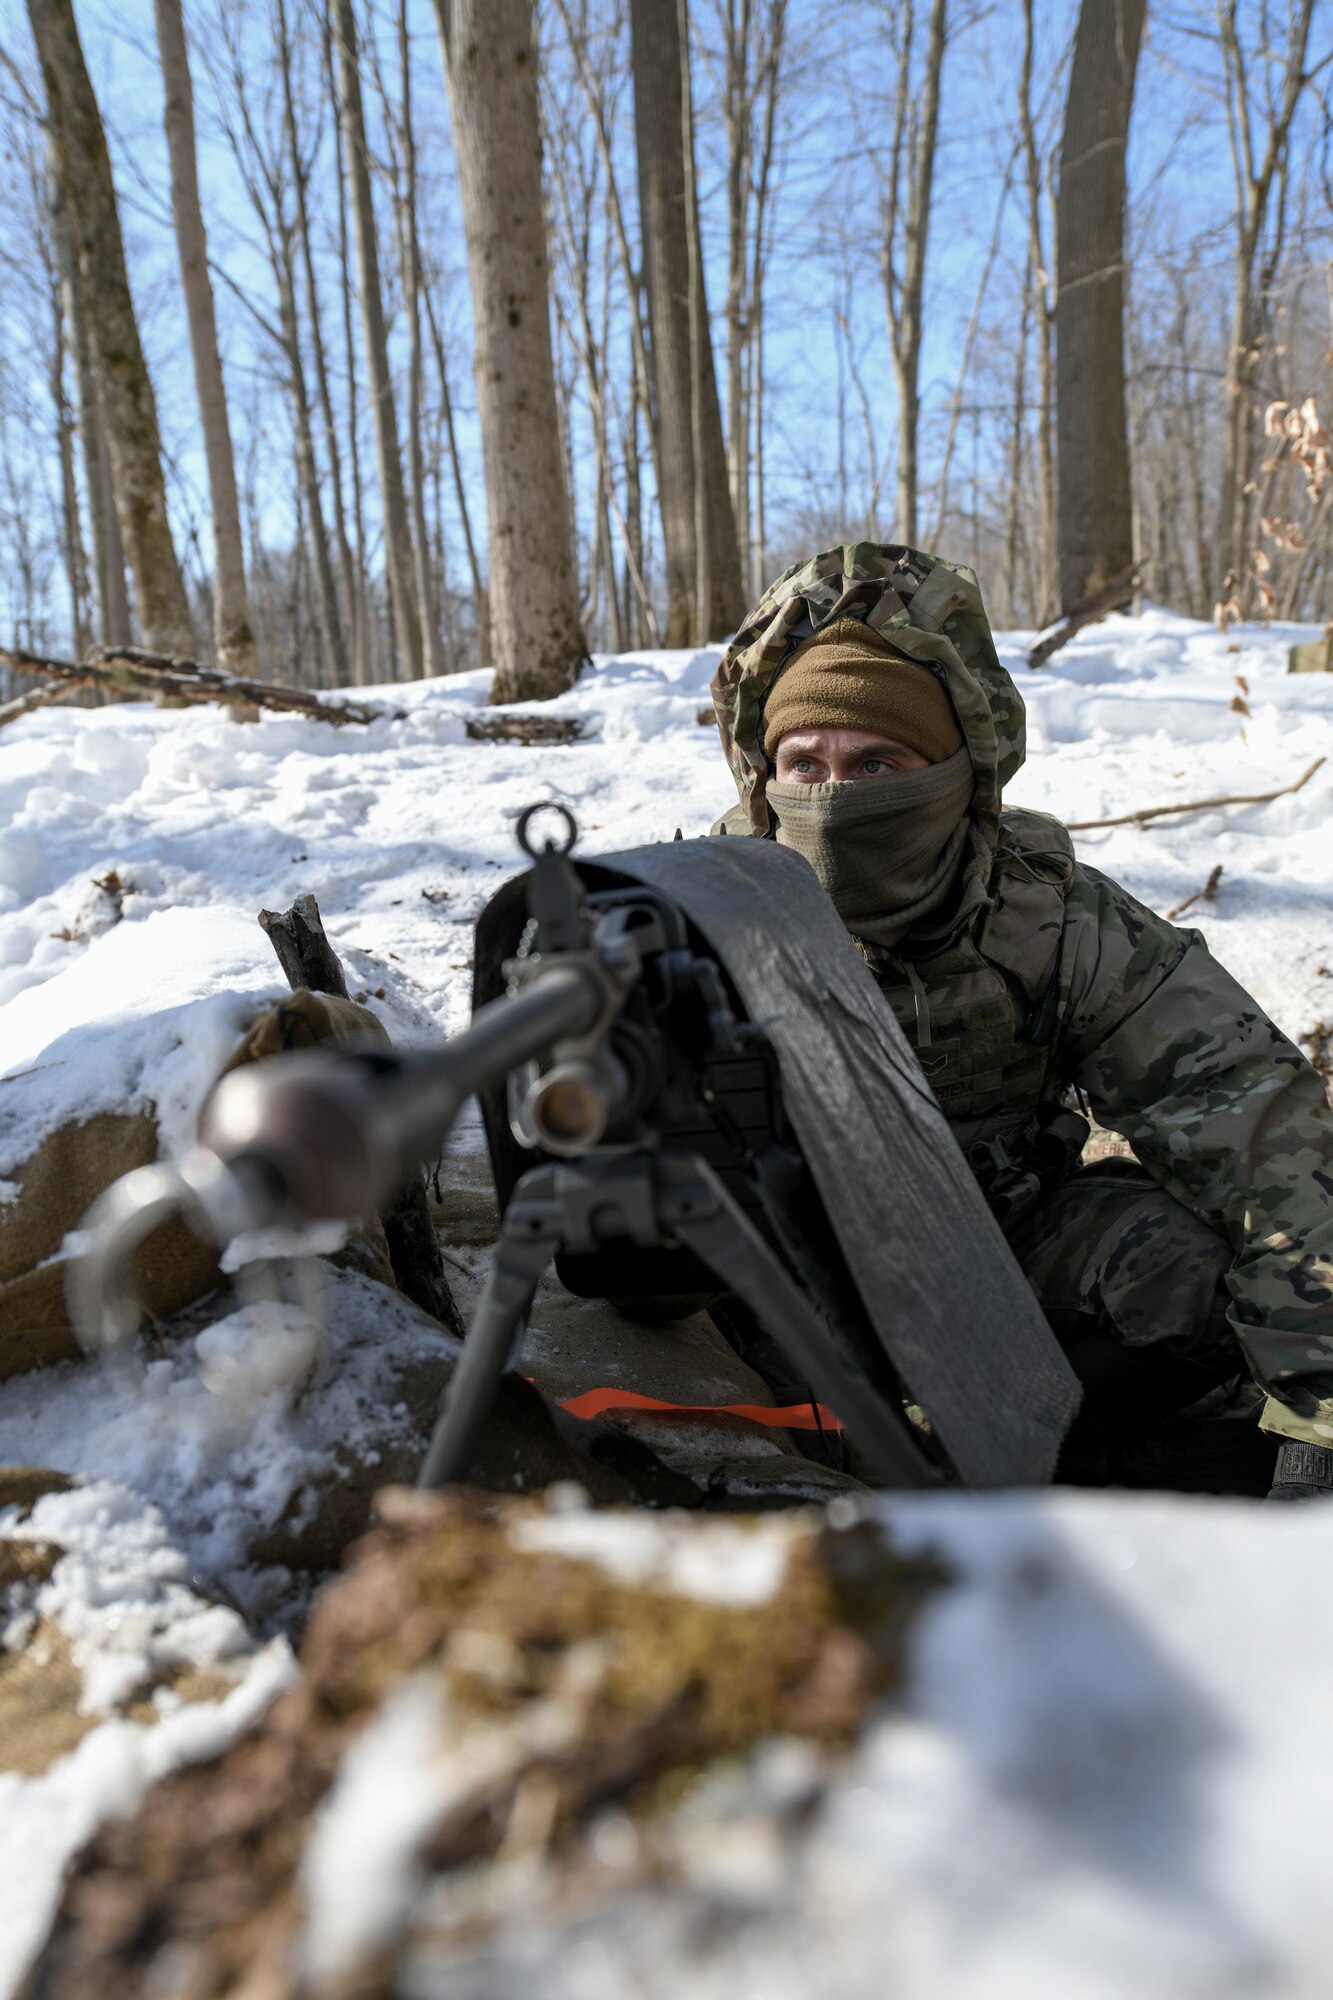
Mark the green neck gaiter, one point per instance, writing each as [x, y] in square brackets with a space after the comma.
[886, 849]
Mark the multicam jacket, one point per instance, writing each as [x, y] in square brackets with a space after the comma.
[1052, 979]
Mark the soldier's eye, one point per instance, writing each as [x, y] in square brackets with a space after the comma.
[873, 766]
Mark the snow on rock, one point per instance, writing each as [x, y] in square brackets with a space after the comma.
[121, 1603]
[1051, 1745]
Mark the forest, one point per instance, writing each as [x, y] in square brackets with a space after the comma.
[355, 341]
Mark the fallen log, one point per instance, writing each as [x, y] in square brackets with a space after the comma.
[128, 670]
[1196, 805]
[308, 959]
[526, 729]
[1112, 596]
[40, 697]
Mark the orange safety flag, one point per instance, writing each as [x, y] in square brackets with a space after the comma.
[790, 1417]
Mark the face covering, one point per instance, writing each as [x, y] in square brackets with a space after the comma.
[887, 850]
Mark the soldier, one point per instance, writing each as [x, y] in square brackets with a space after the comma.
[870, 726]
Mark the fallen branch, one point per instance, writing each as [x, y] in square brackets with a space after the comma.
[1208, 894]
[527, 729]
[40, 697]
[129, 671]
[1196, 805]
[1111, 597]
[308, 959]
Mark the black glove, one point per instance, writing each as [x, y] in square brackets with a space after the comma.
[1302, 1472]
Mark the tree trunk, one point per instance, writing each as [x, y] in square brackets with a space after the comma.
[1095, 522]
[1255, 177]
[360, 616]
[904, 273]
[490, 65]
[717, 561]
[300, 175]
[76, 561]
[432, 658]
[668, 225]
[326, 596]
[595, 96]
[738, 116]
[756, 577]
[129, 411]
[1040, 281]
[480, 596]
[658, 125]
[397, 539]
[233, 639]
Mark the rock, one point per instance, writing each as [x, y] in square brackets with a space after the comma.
[1312, 656]
[501, 1710]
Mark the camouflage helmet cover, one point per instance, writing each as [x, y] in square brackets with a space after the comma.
[929, 608]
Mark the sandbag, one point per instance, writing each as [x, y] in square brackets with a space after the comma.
[57, 1186]
[74, 1164]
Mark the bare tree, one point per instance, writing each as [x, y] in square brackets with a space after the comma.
[692, 468]
[752, 48]
[113, 603]
[76, 561]
[491, 72]
[263, 161]
[397, 538]
[906, 229]
[232, 636]
[480, 597]
[299, 166]
[410, 260]
[1042, 309]
[1096, 527]
[1260, 171]
[129, 409]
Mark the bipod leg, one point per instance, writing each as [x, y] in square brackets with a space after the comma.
[529, 1240]
[695, 1207]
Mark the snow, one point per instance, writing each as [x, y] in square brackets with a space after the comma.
[1107, 1775]
[124, 1597]
[719, 1562]
[234, 1430]
[359, 1869]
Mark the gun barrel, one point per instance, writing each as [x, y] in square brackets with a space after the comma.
[330, 1134]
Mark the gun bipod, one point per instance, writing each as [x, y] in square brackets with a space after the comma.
[653, 1201]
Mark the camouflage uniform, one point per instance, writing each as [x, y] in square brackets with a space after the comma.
[1051, 980]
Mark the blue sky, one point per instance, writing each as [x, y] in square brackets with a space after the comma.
[841, 81]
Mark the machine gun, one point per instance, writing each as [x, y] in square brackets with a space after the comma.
[691, 1087]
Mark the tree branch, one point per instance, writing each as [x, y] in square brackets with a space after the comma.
[1196, 805]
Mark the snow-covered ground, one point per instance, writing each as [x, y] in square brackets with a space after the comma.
[137, 845]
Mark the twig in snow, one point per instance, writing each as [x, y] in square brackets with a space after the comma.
[129, 670]
[1208, 894]
[1196, 805]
